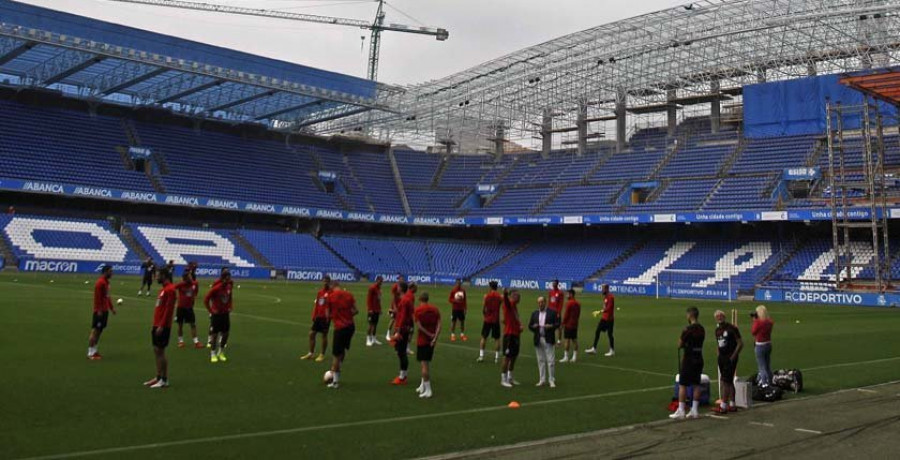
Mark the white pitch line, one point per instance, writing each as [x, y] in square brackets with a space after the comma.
[768, 425]
[804, 430]
[865, 390]
[304, 429]
[856, 363]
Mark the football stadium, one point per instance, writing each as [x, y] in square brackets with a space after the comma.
[285, 261]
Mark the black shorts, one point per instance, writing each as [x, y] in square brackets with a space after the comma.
[402, 344]
[424, 353]
[490, 330]
[185, 315]
[148, 279]
[570, 334]
[727, 368]
[219, 323]
[605, 326]
[321, 325]
[161, 340]
[341, 340]
[691, 368]
[373, 317]
[458, 315]
[510, 345]
[98, 320]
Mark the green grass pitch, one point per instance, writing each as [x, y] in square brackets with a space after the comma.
[266, 402]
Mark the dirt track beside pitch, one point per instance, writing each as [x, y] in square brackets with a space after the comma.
[854, 423]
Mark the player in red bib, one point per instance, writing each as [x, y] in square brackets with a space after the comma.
[102, 306]
[373, 309]
[187, 291]
[342, 309]
[218, 303]
[403, 328]
[570, 326]
[428, 324]
[162, 328]
[491, 326]
[607, 318]
[320, 322]
[555, 301]
[459, 305]
[395, 299]
[512, 329]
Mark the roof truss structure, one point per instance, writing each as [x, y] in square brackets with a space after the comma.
[690, 53]
[88, 69]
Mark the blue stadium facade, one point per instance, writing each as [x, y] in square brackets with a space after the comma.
[97, 182]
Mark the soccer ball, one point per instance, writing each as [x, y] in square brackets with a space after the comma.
[328, 377]
[459, 296]
[120, 302]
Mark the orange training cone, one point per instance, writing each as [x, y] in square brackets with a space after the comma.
[514, 405]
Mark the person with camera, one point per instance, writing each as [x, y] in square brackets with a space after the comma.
[762, 333]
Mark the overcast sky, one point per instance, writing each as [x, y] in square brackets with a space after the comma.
[480, 30]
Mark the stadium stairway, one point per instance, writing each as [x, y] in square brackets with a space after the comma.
[783, 258]
[598, 275]
[502, 261]
[243, 243]
[9, 259]
[398, 180]
[340, 257]
[133, 243]
[436, 180]
[557, 190]
[673, 150]
[729, 162]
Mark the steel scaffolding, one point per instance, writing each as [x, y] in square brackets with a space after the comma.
[856, 161]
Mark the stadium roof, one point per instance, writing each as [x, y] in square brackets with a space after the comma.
[883, 85]
[93, 59]
[687, 53]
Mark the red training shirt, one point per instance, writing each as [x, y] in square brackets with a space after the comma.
[609, 308]
[403, 320]
[492, 301]
[512, 325]
[572, 314]
[762, 330]
[102, 302]
[165, 306]
[320, 310]
[373, 300]
[218, 299]
[395, 296]
[187, 293]
[428, 316]
[342, 306]
[556, 300]
[458, 305]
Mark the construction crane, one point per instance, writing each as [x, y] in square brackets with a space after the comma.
[376, 27]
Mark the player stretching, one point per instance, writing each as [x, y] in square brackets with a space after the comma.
[218, 302]
[691, 368]
[149, 269]
[428, 324]
[458, 313]
[491, 326]
[320, 322]
[187, 293]
[162, 328]
[102, 306]
[607, 318]
[395, 299]
[373, 308]
[343, 308]
[570, 324]
[512, 329]
[403, 324]
[556, 300]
